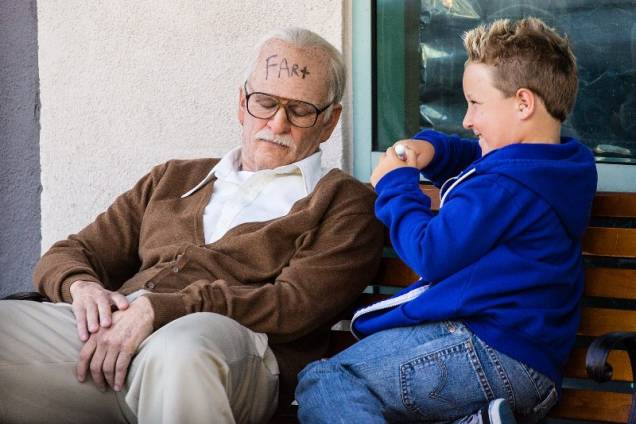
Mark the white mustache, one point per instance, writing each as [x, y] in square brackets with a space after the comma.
[282, 139]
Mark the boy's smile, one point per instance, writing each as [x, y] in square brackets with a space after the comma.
[490, 115]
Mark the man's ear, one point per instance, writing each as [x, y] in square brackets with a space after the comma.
[526, 103]
[331, 123]
[241, 106]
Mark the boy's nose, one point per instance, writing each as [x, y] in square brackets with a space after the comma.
[467, 122]
[279, 123]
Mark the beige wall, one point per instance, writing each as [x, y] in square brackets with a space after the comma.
[128, 84]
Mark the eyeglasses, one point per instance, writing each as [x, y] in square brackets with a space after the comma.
[265, 106]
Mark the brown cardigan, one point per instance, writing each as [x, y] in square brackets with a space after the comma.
[288, 277]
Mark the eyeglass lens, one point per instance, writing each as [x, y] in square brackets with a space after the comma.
[299, 113]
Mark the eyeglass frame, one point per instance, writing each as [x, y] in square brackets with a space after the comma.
[284, 105]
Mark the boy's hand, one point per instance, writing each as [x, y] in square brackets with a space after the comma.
[390, 161]
[424, 151]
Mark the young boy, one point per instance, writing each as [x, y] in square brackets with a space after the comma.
[495, 313]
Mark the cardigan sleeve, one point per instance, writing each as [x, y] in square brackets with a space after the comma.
[331, 265]
[104, 252]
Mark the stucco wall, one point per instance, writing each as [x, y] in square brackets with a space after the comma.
[128, 84]
[19, 150]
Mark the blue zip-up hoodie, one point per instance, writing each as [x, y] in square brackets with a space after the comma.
[503, 255]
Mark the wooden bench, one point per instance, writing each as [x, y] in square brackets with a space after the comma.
[609, 305]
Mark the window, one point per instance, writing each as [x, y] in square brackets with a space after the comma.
[417, 59]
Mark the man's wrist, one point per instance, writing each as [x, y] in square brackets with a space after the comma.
[148, 313]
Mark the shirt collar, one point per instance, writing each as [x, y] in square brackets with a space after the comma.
[310, 170]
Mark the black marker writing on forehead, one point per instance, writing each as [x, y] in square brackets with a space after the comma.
[283, 65]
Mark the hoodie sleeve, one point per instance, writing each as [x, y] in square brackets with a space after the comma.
[452, 155]
[476, 216]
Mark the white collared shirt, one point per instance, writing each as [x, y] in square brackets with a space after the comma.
[243, 196]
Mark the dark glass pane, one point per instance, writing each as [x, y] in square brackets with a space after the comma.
[603, 36]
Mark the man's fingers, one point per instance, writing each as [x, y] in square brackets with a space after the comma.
[121, 369]
[103, 308]
[108, 367]
[92, 317]
[119, 300]
[85, 355]
[80, 322]
[96, 367]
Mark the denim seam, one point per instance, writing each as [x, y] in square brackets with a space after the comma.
[479, 370]
[533, 379]
[503, 375]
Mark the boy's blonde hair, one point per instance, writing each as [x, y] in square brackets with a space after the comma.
[527, 54]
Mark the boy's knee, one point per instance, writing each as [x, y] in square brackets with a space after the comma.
[323, 376]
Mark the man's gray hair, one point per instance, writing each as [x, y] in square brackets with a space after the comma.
[301, 38]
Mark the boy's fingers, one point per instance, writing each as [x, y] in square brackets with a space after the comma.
[410, 156]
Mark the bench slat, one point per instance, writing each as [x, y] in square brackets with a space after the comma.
[598, 321]
[613, 242]
[616, 283]
[432, 192]
[393, 272]
[591, 405]
[614, 205]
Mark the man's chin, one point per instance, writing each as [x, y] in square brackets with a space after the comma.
[267, 160]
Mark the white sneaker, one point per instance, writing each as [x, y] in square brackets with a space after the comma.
[500, 413]
[497, 412]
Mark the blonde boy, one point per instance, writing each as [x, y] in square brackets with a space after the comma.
[493, 317]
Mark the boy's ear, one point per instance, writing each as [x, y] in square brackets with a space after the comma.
[526, 103]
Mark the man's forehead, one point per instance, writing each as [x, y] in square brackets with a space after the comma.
[289, 71]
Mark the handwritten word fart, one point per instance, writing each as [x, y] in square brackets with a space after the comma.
[280, 67]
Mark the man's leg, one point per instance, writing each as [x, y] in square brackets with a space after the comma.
[203, 368]
[39, 349]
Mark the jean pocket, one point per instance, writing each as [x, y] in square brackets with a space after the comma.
[443, 384]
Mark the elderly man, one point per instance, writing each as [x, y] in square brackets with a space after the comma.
[184, 301]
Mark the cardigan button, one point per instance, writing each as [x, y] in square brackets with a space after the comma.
[175, 269]
[150, 285]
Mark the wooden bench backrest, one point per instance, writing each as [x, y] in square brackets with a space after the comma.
[609, 305]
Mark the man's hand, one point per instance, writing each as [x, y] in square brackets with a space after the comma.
[92, 306]
[108, 352]
[390, 161]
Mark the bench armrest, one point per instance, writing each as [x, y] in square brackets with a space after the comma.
[596, 357]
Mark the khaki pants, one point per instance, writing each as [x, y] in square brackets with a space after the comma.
[201, 368]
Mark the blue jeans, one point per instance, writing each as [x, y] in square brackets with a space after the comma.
[436, 372]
